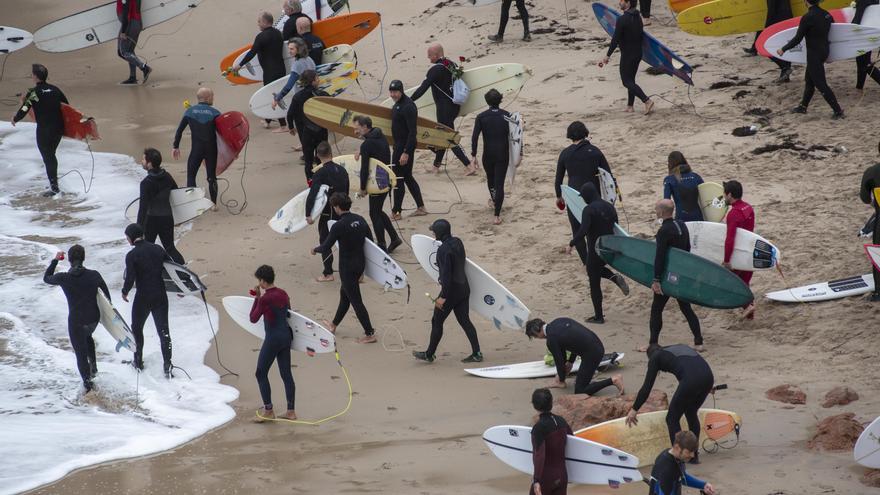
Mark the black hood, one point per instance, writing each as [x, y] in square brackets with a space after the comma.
[589, 192]
[442, 229]
[374, 133]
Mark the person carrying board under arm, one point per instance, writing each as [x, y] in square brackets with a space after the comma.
[129, 14]
[868, 195]
[268, 47]
[336, 177]
[669, 474]
[740, 216]
[549, 438]
[777, 11]
[375, 146]
[310, 133]
[628, 35]
[154, 210]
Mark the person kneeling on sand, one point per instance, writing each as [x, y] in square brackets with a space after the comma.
[549, 436]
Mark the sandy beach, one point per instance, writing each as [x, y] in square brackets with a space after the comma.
[415, 428]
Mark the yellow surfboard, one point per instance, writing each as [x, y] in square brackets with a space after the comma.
[677, 6]
[725, 17]
[877, 195]
[353, 167]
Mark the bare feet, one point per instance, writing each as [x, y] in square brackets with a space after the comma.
[420, 212]
[367, 339]
[329, 326]
[264, 415]
[265, 125]
[617, 381]
[699, 348]
[325, 278]
[497, 221]
[432, 169]
[396, 216]
[279, 131]
[289, 415]
[649, 107]
[470, 170]
[629, 110]
[643, 348]
[297, 147]
[215, 207]
[646, 22]
[749, 312]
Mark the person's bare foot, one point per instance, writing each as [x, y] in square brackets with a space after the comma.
[367, 339]
[280, 130]
[649, 107]
[297, 147]
[433, 169]
[629, 110]
[643, 348]
[497, 221]
[396, 216]
[290, 415]
[470, 170]
[700, 348]
[215, 207]
[264, 415]
[647, 22]
[749, 312]
[420, 212]
[329, 326]
[617, 381]
[325, 278]
[265, 125]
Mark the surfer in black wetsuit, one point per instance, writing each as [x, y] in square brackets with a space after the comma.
[672, 234]
[628, 35]
[454, 294]
[268, 47]
[695, 382]
[568, 340]
[293, 10]
[129, 14]
[404, 119]
[493, 125]
[154, 211]
[45, 99]
[375, 146]
[814, 27]
[315, 44]
[597, 219]
[870, 182]
[351, 230]
[864, 67]
[310, 133]
[777, 11]
[201, 121]
[581, 161]
[80, 286]
[335, 177]
[549, 436]
[505, 13]
[668, 474]
[143, 269]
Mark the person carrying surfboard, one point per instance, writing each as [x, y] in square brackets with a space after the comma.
[293, 10]
[268, 47]
[154, 208]
[404, 116]
[629, 35]
[336, 177]
[200, 119]
[454, 294]
[80, 286]
[375, 146]
[493, 125]
[310, 133]
[669, 474]
[777, 11]
[549, 438]
[741, 215]
[868, 194]
[129, 14]
[681, 185]
[505, 13]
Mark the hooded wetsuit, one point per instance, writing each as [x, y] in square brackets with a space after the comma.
[628, 36]
[581, 161]
[439, 81]
[565, 335]
[597, 219]
[814, 28]
[871, 181]
[684, 194]
[201, 121]
[272, 307]
[742, 216]
[493, 125]
[672, 234]
[549, 437]
[154, 212]
[144, 265]
[376, 146]
[668, 476]
[335, 177]
[404, 119]
[45, 100]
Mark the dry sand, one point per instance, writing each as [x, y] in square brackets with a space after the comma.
[415, 428]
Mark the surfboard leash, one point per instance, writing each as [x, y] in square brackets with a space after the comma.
[232, 204]
[216, 342]
[191, 7]
[86, 188]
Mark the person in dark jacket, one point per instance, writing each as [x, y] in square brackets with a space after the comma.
[293, 10]
[814, 27]
[310, 133]
[129, 14]
[404, 119]
[268, 47]
[864, 67]
[505, 13]
[315, 44]
[628, 36]
[869, 194]
[154, 209]
[80, 286]
[777, 11]
[669, 474]
[45, 99]
[375, 146]
[494, 126]
[201, 119]
[143, 269]
[681, 185]
[454, 294]
[335, 177]
[549, 437]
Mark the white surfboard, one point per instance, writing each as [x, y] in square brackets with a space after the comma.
[380, 180]
[576, 204]
[329, 8]
[481, 3]
[100, 25]
[291, 217]
[181, 280]
[751, 252]
[537, 369]
[506, 78]
[308, 336]
[867, 449]
[846, 41]
[489, 298]
[873, 252]
[12, 39]
[186, 204]
[515, 123]
[825, 291]
[607, 186]
[261, 101]
[254, 71]
[586, 462]
[380, 266]
[115, 324]
[712, 201]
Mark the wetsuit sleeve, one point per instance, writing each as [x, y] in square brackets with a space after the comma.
[648, 384]
[861, 6]
[667, 188]
[331, 239]
[583, 229]
[411, 115]
[129, 274]
[365, 166]
[445, 263]
[734, 220]
[867, 189]
[475, 137]
[255, 48]
[615, 39]
[560, 174]
[22, 111]
[180, 128]
[803, 27]
[603, 164]
[49, 277]
[62, 97]
[693, 482]
[103, 286]
[145, 198]
[317, 181]
[257, 309]
[294, 77]
[558, 358]
[430, 79]
[539, 456]
[661, 254]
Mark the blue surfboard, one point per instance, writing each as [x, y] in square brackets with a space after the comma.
[654, 53]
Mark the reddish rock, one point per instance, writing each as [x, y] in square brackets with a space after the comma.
[840, 396]
[790, 394]
[838, 432]
[581, 410]
[872, 478]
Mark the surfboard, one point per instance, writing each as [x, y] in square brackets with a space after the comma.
[334, 79]
[346, 29]
[537, 369]
[837, 14]
[115, 324]
[336, 114]
[867, 449]
[380, 266]
[654, 53]
[515, 142]
[252, 71]
[329, 8]
[651, 436]
[873, 252]
[586, 462]
[380, 180]
[291, 218]
[826, 291]
[687, 277]
[76, 126]
[100, 25]
[846, 41]
[181, 280]
[481, 3]
[576, 204]
[725, 17]
[868, 228]
[308, 336]
[233, 131]
[607, 186]
[12, 39]
[506, 78]
[751, 252]
[186, 204]
[677, 6]
[712, 201]
[489, 298]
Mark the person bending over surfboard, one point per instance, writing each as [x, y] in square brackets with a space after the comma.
[201, 121]
[493, 125]
[350, 231]
[80, 286]
[567, 337]
[129, 14]
[549, 437]
[455, 293]
[695, 382]
[268, 47]
[814, 28]
[336, 177]
[404, 119]
[505, 13]
[272, 306]
[375, 146]
[154, 209]
[668, 474]
[681, 186]
[777, 11]
[628, 35]
[740, 216]
[868, 195]
[597, 219]
[310, 133]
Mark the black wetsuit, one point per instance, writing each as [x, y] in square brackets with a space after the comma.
[549, 436]
[668, 476]
[495, 128]
[565, 335]
[439, 80]
[871, 181]
[581, 161]
[863, 62]
[80, 286]
[50, 125]
[645, 8]
[350, 231]
[672, 234]
[310, 133]
[154, 212]
[814, 27]
[376, 146]
[269, 49]
[201, 121]
[143, 269]
[505, 13]
[777, 11]
[289, 31]
[273, 307]
[597, 219]
[628, 36]
[335, 177]
[695, 381]
[404, 118]
[316, 47]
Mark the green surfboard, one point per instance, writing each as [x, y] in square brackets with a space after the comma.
[687, 277]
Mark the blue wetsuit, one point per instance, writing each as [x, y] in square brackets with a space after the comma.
[684, 194]
[200, 119]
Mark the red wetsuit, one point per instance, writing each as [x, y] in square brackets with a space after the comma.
[741, 215]
[548, 452]
[268, 304]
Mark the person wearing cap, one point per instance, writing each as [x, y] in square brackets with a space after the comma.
[144, 265]
[454, 294]
[740, 216]
[404, 118]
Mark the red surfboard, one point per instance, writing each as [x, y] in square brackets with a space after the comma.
[75, 125]
[837, 14]
[233, 130]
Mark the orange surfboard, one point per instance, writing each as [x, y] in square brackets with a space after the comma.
[75, 125]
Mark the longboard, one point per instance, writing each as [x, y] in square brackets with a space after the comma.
[334, 78]
[252, 72]
[726, 17]
[846, 41]
[186, 204]
[837, 14]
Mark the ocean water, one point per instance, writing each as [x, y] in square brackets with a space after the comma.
[47, 429]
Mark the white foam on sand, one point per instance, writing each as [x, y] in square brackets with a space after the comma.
[46, 429]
